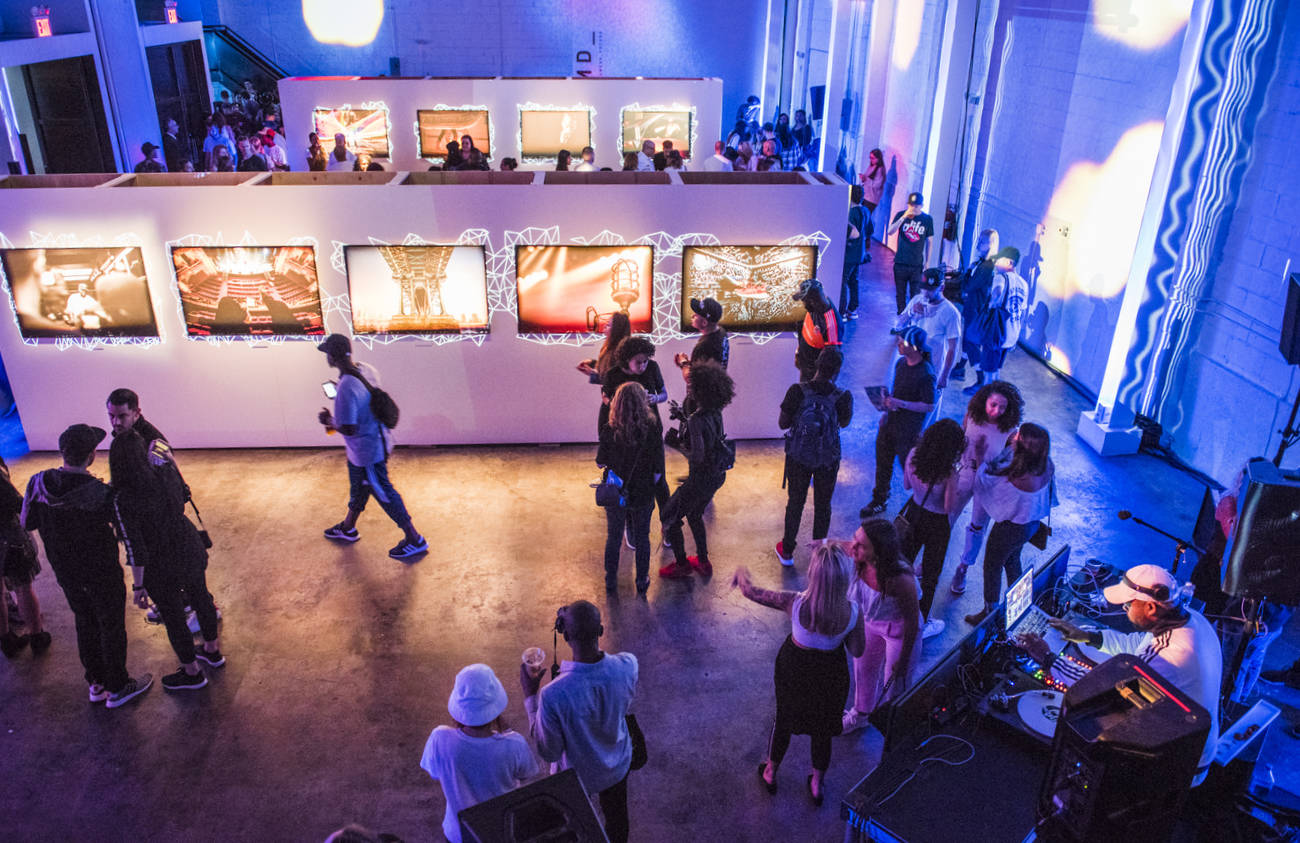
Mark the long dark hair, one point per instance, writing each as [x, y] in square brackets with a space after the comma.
[936, 455]
[1031, 456]
[885, 545]
[128, 463]
[620, 328]
[1010, 418]
[880, 156]
[562, 160]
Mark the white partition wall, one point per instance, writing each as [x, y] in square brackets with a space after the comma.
[498, 388]
[503, 97]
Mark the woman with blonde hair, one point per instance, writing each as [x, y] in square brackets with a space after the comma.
[812, 674]
[632, 452]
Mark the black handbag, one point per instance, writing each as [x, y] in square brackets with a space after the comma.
[609, 491]
[903, 525]
[639, 753]
[991, 325]
[1044, 531]
[203, 531]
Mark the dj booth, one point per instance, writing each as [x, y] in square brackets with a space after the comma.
[989, 746]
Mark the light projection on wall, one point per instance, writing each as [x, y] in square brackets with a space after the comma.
[575, 289]
[417, 289]
[908, 19]
[752, 283]
[115, 308]
[364, 127]
[249, 290]
[1144, 26]
[545, 129]
[436, 127]
[349, 23]
[657, 123]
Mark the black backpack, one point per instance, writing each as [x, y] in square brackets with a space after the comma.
[724, 450]
[814, 440]
[382, 404]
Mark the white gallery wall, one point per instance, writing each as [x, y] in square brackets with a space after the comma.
[243, 392]
[503, 98]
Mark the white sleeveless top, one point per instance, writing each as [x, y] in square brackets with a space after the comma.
[877, 607]
[815, 641]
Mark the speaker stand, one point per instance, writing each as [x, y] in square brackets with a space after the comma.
[1289, 434]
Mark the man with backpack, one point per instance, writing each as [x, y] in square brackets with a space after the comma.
[813, 412]
[363, 414]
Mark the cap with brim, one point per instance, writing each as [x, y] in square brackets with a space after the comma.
[478, 697]
[915, 199]
[147, 147]
[1144, 582]
[913, 336]
[710, 309]
[336, 344]
[1010, 252]
[932, 278]
[79, 441]
[812, 285]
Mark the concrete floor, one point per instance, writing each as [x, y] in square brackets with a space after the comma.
[341, 660]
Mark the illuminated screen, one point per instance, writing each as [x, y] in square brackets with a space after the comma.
[575, 289]
[80, 292]
[248, 290]
[1019, 597]
[545, 133]
[657, 126]
[417, 289]
[752, 283]
[366, 129]
[438, 127]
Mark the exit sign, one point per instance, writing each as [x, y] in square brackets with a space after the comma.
[41, 21]
[169, 9]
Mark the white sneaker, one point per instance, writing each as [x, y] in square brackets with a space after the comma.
[933, 627]
[852, 721]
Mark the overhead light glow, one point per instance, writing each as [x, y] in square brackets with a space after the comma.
[908, 18]
[1143, 26]
[1103, 204]
[349, 23]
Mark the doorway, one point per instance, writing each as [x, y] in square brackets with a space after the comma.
[68, 115]
[180, 91]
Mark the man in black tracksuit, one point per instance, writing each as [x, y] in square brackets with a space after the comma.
[73, 512]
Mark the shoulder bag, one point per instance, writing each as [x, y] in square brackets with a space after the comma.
[903, 524]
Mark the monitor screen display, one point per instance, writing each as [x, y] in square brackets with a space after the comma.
[83, 292]
[657, 126]
[1020, 596]
[440, 126]
[544, 133]
[248, 290]
[417, 289]
[575, 289]
[752, 283]
[366, 129]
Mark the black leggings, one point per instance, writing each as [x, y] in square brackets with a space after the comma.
[689, 502]
[932, 531]
[613, 804]
[779, 742]
[1002, 553]
[797, 477]
[170, 591]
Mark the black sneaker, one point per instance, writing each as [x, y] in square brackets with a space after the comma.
[132, 689]
[211, 659]
[40, 642]
[182, 681]
[340, 533]
[874, 508]
[406, 549]
[11, 644]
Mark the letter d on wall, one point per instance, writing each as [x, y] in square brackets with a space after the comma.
[587, 54]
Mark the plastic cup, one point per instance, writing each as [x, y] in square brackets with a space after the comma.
[535, 660]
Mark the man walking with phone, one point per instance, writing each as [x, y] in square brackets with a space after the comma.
[912, 252]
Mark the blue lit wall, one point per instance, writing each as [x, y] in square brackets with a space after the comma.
[521, 38]
[1072, 115]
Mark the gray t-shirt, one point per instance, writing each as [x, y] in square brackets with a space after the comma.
[352, 406]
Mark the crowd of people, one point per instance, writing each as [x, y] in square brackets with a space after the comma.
[243, 133]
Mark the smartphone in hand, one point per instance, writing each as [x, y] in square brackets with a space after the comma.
[331, 391]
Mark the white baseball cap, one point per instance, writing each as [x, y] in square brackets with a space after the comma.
[1145, 582]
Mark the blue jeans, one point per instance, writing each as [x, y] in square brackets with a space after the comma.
[373, 479]
[637, 522]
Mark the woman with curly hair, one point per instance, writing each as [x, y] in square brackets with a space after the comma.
[885, 590]
[930, 473]
[631, 448]
[708, 388]
[993, 412]
[1016, 491]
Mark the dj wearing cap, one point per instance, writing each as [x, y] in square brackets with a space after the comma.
[1177, 641]
[821, 328]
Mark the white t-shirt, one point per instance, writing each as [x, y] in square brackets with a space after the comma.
[583, 167]
[334, 165]
[352, 406]
[941, 322]
[644, 163]
[716, 164]
[473, 770]
[1017, 302]
[1189, 656]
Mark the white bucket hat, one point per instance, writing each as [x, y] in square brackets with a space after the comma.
[478, 697]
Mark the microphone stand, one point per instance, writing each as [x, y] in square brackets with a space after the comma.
[1180, 551]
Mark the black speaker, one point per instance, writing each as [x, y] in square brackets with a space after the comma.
[1290, 341]
[554, 809]
[1264, 559]
[1125, 750]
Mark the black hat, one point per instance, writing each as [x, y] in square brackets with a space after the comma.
[708, 308]
[915, 199]
[932, 277]
[1008, 252]
[336, 344]
[148, 147]
[811, 287]
[79, 441]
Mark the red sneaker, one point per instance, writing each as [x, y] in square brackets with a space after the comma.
[673, 571]
[786, 559]
[705, 568]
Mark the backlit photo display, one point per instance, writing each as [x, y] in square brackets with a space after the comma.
[417, 289]
[249, 290]
[544, 133]
[576, 289]
[83, 292]
[657, 126]
[366, 129]
[752, 283]
[440, 126]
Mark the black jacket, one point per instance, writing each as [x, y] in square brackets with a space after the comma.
[637, 464]
[74, 515]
